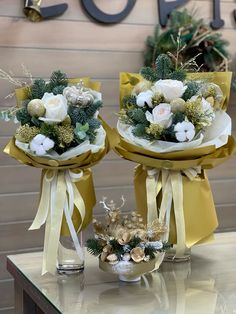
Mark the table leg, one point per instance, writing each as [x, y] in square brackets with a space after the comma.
[23, 302]
[18, 298]
[29, 305]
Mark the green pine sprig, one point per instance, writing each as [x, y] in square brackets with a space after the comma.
[23, 116]
[94, 247]
[38, 89]
[58, 78]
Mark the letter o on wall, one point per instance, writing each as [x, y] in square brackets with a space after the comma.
[98, 15]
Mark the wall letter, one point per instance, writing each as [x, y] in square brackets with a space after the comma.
[102, 17]
[217, 22]
[165, 8]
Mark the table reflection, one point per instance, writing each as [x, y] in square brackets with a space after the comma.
[175, 288]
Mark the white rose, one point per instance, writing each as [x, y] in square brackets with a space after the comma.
[184, 131]
[160, 115]
[40, 144]
[145, 98]
[171, 89]
[56, 107]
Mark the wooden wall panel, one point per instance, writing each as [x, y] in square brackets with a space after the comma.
[7, 295]
[42, 62]
[81, 47]
[21, 35]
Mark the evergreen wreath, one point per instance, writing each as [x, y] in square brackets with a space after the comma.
[196, 38]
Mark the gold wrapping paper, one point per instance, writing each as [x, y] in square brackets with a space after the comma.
[199, 210]
[199, 216]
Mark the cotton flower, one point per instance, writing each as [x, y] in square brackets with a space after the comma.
[171, 89]
[184, 131]
[40, 144]
[56, 108]
[160, 115]
[145, 98]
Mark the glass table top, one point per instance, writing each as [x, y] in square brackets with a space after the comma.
[206, 285]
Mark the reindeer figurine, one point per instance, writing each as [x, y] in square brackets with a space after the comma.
[112, 218]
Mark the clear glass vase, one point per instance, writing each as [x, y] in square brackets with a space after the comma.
[170, 255]
[69, 261]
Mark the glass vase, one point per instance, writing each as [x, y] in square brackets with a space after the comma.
[69, 261]
[170, 255]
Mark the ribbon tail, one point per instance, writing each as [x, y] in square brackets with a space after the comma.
[45, 246]
[73, 232]
[52, 237]
[177, 188]
[166, 203]
[80, 206]
[151, 188]
[43, 208]
[164, 213]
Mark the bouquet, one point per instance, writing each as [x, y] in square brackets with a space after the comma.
[60, 131]
[126, 246]
[175, 126]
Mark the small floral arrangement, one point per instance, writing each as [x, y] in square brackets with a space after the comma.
[125, 238]
[166, 106]
[56, 116]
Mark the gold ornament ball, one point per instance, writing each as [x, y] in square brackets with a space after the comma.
[36, 108]
[177, 104]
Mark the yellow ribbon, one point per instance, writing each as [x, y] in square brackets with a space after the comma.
[59, 195]
[170, 182]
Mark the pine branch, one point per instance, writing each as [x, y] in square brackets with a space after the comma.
[38, 89]
[117, 248]
[192, 89]
[164, 67]
[137, 115]
[23, 116]
[128, 101]
[178, 75]
[77, 115]
[94, 247]
[92, 109]
[57, 78]
[134, 242]
[94, 123]
[149, 74]
[139, 130]
[151, 251]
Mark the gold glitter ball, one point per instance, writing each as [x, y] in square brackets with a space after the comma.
[26, 133]
[36, 108]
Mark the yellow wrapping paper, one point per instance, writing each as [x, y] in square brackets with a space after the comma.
[199, 209]
[187, 189]
[59, 177]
